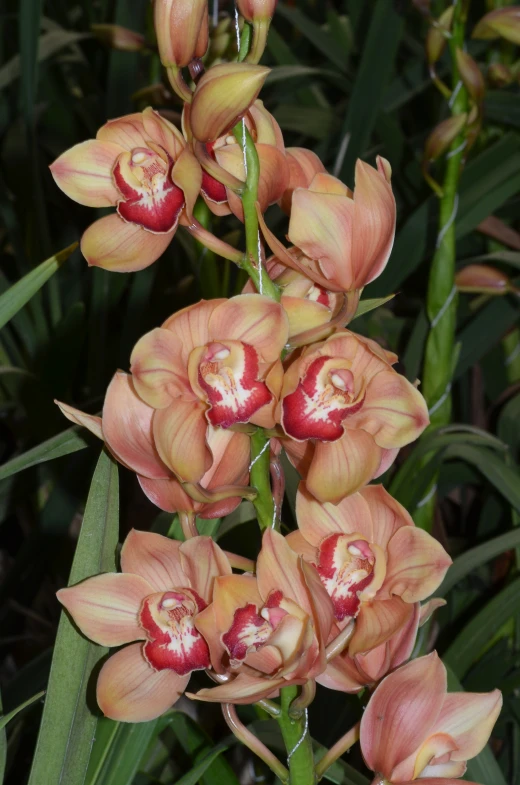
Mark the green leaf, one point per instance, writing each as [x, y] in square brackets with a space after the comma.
[118, 755]
[48, 45]
[315, 121]
[21, 292]
[279, 73]
[484, 767]
[8, 717]
[477, 556]
[380, 46]
[194, 775]
[318, 37]
[68, 726]
[475, 636]
[64, 443]
[196, 742]
[368, 305]
[502, 107]
[505, 478]
[484, 332]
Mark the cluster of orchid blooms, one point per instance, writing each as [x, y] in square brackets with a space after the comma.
[338, 601]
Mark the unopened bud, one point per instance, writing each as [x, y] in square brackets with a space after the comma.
[443, 135]
[120, 38]
[471, 76]
[500, 75]
[258, 13]
[504, 22]
[182, 30]
[437, 36]
[482, 279]
[222, 97]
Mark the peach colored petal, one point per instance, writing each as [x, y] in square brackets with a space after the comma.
[300, 454]
[302, 547]
[317, 521]
[105, 607]
[324, 183]
[127, 131]
[322, 608]
[169, 496]
[155, 558]
[377, 622]
[253, 319]
[190, 325]
[242, 690]
[89, 421]
[158, 129]
[203, 561]
[341, 674]
[437, 781]
[304, 314]
[180, 437]
[387, 515]
[388, 457]
[342, 467]
[321, 225]
[129, 690]
[416, 565]
[127, 428]
[402, 712]
[303, 166]
[122, 247]
[394, 411]
[158, 371]
[84, 173]
[278, 569]
[374, 223]
[187, 175]
[469, 718]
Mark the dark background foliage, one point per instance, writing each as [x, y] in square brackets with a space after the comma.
[349, 79]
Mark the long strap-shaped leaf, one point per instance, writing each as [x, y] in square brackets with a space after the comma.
[21, 292]
[68, 725]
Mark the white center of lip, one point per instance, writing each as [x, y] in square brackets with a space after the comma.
[169, 603]
[337, 381]
[139, 158]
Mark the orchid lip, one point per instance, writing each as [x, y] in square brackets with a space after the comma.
[346, 568]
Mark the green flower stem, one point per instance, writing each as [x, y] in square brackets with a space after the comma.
[441, 303]
[295, 732]
[208, 273]
[260, 479]
[335, 752]
[252, 263]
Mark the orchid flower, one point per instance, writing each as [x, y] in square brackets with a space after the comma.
[140, 165]
[414, 730]
[347, 413]
[156, 598]
[126, 428]
[344, 238]
[268, 631]
[211, 364]
[373, 561]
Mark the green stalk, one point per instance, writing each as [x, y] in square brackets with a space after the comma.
[441, 303]
[295, 732]
[260, 479]
[208, 273]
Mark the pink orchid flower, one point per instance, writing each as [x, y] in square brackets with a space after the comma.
[223, 163]
[140, 165]
[268, 631]
[211, 364]
[304, 165]
[344, 238]
[413, 730]
[156, 598]
[126, 428]
[373, 561]
[347, 413]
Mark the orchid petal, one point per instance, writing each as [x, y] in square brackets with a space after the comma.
[187, 175]
[155, 558]
[203, 561]
[129, 690]
[84, 173]
[159, 130]
[388, 516]
[106, 607]
[317, 521]
[180, 437]
[122, 247]
[158, 372]
[89, 421]
[127, 428]
[402, 712]
[252, 319]
[278, 569]
[394, 411]
[342, 467]
[242, 690]
[416, 566]
[127, 132]
[377, 622]
[190, 325]
[469, 718]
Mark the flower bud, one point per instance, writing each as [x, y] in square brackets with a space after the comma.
[471, 76]
[482, 279]
[504, 22]
[222, 97]
[253, 10]
[120, 38]
[499, 75]
[443, 135]
[181, 27]
[437, 36]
